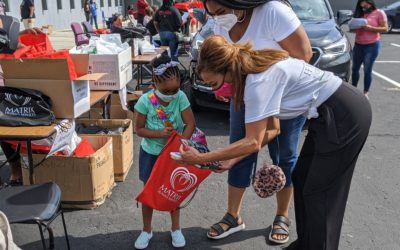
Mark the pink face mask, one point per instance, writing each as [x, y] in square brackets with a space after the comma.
[225, 90]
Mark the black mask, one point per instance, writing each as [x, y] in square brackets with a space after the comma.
[9, 34]
[367, 10]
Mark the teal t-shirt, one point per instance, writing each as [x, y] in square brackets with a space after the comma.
[173, 110]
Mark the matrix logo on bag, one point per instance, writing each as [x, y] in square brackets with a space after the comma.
[181, 180]
[19, 102]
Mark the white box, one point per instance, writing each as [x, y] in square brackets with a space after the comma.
[118, 68]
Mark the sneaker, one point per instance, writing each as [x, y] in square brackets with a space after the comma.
[178, 240]
[143, 240]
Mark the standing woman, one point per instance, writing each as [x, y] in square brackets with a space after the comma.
[93, 13]
[367, 45]
[168, 22]
[267, 24]
[270, 83]
[87, 10]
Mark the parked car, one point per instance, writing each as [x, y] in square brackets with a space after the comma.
[393, 13]
[330, 45]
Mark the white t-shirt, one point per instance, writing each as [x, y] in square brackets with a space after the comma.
[286, 90]
[270, 23]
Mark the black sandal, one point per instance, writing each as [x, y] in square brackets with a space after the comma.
[283, 224]
[233, 227]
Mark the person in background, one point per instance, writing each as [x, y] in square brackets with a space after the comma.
[27, 9]
[155, 133]
[2, 8]
[267, 24]
[150, 25]
[367, 45]
[116, 22]
[93, 13]
[168, 22]
[141, 5]
[148, 17]
[86, 9]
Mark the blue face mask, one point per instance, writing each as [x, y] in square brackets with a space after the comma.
[165, 98]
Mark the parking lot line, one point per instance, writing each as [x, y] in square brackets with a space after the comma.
[387, 61]
[395, 45]
[391, 81]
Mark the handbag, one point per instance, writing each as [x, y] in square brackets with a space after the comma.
[268, 180]
[171, 183]
[24, 107]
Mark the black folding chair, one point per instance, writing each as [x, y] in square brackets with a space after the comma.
[36, 204]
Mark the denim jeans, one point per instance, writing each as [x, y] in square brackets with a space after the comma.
[366, 55]
[94, 19]
[241, 175]
[283, 149]
[168, 38]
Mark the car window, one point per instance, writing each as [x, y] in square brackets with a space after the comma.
[311, 10]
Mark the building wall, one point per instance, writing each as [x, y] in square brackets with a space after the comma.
[61, 19]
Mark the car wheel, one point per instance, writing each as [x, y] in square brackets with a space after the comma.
[187, 88]
[390, 25]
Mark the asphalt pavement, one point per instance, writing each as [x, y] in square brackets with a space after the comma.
[371, 216]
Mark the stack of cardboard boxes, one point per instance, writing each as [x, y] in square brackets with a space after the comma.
[85, 182]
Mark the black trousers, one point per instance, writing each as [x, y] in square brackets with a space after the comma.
[325, 168]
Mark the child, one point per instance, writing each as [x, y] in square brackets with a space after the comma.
[155, 134]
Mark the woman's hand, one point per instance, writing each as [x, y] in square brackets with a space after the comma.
[190, 155]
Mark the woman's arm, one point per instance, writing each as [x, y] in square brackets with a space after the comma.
[188, 119]
[251, 143]
[380, 29]
[298, 45]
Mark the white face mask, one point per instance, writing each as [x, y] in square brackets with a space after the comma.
[165, 98]
[226, 21]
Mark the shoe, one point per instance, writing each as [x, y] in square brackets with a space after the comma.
[143, 240]
[178, 240]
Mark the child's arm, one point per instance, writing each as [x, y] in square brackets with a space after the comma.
[188, 119]
[142, 131]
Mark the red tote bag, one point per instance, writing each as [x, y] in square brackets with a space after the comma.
[170, 183]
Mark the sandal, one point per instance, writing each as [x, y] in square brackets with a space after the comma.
[233, 227]
[280, 227]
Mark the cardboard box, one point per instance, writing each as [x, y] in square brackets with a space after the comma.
[123, 146]
[118, 68]
[70, 98]
[85, 182]
[115, 111]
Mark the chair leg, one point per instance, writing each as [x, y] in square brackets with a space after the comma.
[51, 237]
[65, 229]
[41, 235]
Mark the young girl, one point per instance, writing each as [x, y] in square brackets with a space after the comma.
[155, 134]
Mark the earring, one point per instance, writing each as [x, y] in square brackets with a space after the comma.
[243, 17]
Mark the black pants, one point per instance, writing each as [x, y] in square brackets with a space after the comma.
[325, 168]
[11, 154]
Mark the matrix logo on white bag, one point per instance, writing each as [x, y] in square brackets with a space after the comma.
[19, 102]
[181, 180]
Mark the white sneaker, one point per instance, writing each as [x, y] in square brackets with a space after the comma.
[178, 240]
[143, 240]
